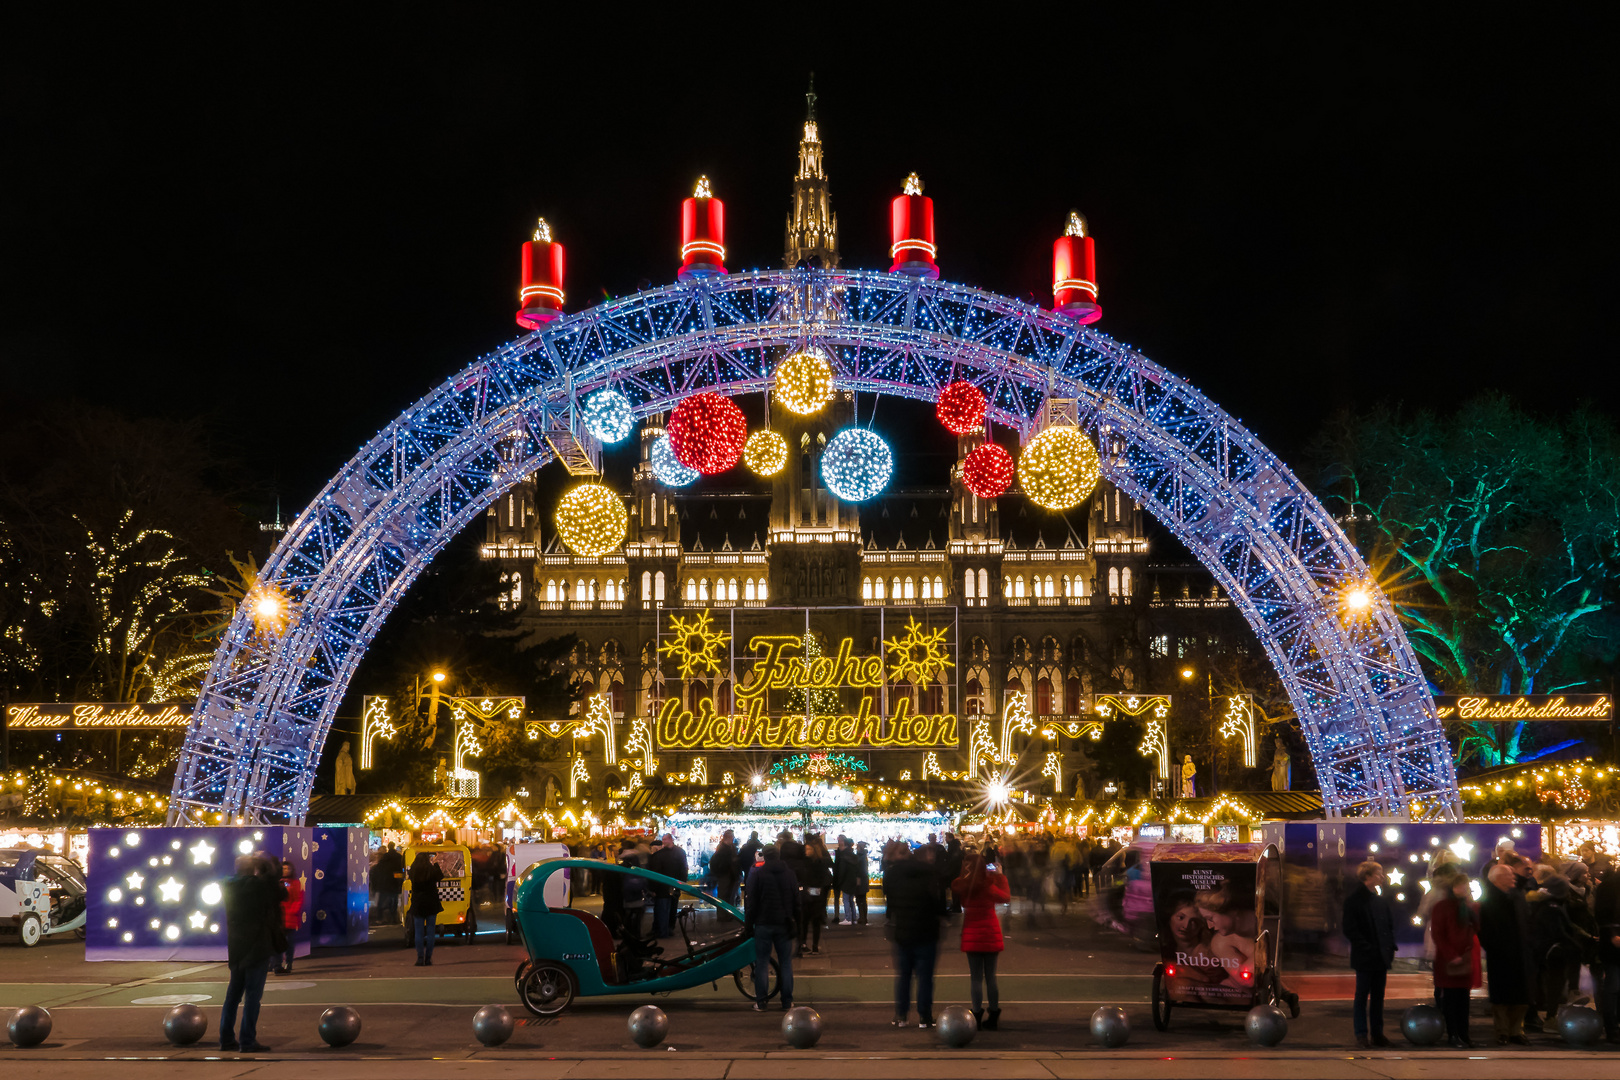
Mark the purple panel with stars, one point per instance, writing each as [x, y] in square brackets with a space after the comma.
[155, 894]
[341, 892]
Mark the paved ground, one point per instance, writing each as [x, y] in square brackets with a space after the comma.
[417, 1021]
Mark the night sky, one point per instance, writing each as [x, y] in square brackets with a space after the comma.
[289, 228]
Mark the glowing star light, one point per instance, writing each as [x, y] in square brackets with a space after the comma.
[765, 452]
[170, 890]
[857, 465]
[988, 471]
[270, 608]
[1396, 877]
[202, 853]
[1462, 849]
[591, 520]
[918, 654]
[706, 432]
[134, 881]
[607, 415]
[961, 407]
[670, 472]
[695, 645]
[198, 921]
[804, 382]
[1059, 468]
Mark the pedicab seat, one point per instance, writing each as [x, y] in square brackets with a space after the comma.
[601, 941]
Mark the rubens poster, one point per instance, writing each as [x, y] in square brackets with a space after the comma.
[1205, 906]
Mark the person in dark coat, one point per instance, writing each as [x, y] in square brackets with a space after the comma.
[861, 883]
[915, 907]
[1371, 930]
[669, 860]
[844, 882]
[951, 870]
[252, 903]
[748, 856]
[1556, 941]
[1504, 930]
[814, 883]
[723, 867]
[390, 882]
[1606, 914]
[1454, 926]
[772, 900]
[425, 905]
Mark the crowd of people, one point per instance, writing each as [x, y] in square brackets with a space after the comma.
[1525, 929]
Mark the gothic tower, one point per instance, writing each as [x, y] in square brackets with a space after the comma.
[812, 227]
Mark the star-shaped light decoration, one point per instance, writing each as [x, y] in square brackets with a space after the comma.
[1396, 877]
[199, 921]
[170, 890]
[1462, 848]
[919, 654]
[134, 881]
[202, 853]
[695, 645]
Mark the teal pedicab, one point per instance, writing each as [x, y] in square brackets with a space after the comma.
[572, 953]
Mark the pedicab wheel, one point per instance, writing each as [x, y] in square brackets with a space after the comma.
[1161, 999]
[547, 989]
[744, 978]
[32, 931]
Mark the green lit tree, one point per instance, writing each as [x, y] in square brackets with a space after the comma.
[823, 702]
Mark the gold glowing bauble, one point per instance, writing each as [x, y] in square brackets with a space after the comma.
[1059, 468]
[765, 452]
[804, 382]
[591, 520]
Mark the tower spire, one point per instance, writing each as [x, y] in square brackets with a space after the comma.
[812, 227]
[810, 101]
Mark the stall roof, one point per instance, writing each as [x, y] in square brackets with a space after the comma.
[352, 809]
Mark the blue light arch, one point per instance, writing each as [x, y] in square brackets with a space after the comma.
[267, 704]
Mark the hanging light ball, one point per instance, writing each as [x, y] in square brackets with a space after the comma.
[961, 407]
[804, 382]
[707, 432]
[988, 471]
[670, 472]
[1059, 468]
[765, 452]
[607, 415]
[591, 519]
[856, 465]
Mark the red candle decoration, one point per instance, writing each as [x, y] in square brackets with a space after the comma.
[961, 407]
[988, 471]
[707, 432]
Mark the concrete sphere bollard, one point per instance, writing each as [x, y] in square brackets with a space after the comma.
[801, 1027]
[1266, 1025]
[648, 1026]
[493, 1025]
[29, 1026]
[1579, 1025]
[1111, 1026]
[339, 1026]
[1423, 1025]
[956, 1026]
[185, 1024]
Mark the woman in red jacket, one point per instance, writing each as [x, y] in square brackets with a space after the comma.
[292, 912]
[980, 888]
[1454, 925]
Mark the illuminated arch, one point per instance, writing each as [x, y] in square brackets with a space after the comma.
[267, 704]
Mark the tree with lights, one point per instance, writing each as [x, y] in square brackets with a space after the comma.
[822, 702]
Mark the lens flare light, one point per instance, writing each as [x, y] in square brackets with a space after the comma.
[670, 472]
[804, 382]
[607, 415]
[591, 519]
[988, 471]
[766, 452]
[961, 407]
[857, 465]
[706, 432]
[1059, 468]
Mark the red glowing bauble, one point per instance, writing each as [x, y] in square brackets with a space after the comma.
[707, 433]
[988, 471]
[961, 407]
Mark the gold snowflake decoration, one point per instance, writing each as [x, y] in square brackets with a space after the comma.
[919, 654]
[695, 645]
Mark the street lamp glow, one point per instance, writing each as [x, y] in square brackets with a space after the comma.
[1357, 600]
[268, 607]
[438, 676]
[997, 791]
[758, 780]
[1186, 673]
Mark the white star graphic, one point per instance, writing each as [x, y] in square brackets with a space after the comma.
[170, 890]
[134, 881]
[202, 854]
[198, 920]
[1396, 877]
[1462, 848]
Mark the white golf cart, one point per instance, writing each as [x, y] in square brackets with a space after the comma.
[40, 894]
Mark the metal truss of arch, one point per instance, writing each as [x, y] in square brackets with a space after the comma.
[267, 704]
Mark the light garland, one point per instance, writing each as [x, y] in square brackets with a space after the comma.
[961, 407]
[670, 472]
[988, 471]
[765, 452]
[804, 382]
[857, 465]
[706, 432]
[1059, 468]
[607, 415]
[591, 519]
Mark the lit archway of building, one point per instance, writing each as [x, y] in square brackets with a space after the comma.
[267, 704]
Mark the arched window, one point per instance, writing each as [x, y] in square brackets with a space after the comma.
[722, 699]
[762, 588]
[691, 589]
[748, 591]
[897, 593]
[879, 589]
[866, 588]
[939, 588]
[1019, 586]
[927, 589]
[590, 590]
[1050, 588]
[646, 585]
[608, 590]
[551, 591]
[703, 588]
[984, 583]
[967, 585]
[1043, 696]
[731, 590]
[616, 697]
[933, 697]
[911, 592]
[579, 590]
[1071, 695]
[1006, 587]
[1015, 685]
[974, 705]
[1113, 581]
[1125, 581]
[658, 585]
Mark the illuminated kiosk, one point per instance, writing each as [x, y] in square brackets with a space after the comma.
[283, 666]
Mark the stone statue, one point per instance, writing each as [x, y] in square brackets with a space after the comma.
[1280, 765]
[1189, 778]
[551, 791]
[343, 773]
[441, 777]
